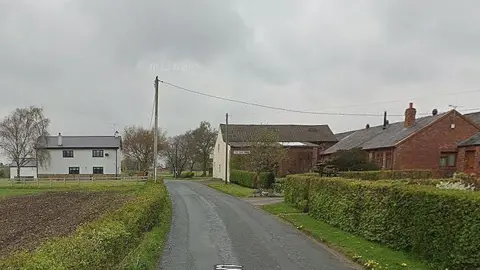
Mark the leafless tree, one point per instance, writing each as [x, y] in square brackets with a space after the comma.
[204, 141]
[137, 145]
[178, 152]
[22, 135]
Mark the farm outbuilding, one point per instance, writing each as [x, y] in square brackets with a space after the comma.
[29, 170]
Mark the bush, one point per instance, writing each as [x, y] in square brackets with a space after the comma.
[376, 175]
[187, 175]
[243, 178]
[102, 243]
[265, 180]
[296, 190]
[439, 226]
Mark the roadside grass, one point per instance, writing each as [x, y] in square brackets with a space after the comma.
[147, 254]
[232, 189]
[369, 254]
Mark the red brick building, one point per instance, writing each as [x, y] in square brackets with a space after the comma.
[303, 143]
[468, 158]
[416, 143]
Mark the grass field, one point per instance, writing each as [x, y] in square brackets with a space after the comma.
[232, 189]
[369, 254]
[8, 192]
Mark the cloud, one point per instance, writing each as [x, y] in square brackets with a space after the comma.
[91, 64]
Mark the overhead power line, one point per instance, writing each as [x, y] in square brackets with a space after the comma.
[268, 106]
[302, 111]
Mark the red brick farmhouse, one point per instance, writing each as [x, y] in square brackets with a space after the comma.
[439, 142]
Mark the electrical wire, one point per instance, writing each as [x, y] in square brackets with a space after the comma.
[310, 112]
[151, 116]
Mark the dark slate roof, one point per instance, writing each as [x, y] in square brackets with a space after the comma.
[285, 133]
[30, 163]
[342, 135]
[84, 142]
[377, 137]
[474, 140]
[475, 117]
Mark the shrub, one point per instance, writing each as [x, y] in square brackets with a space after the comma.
[296, 190]
[187, 175]
[265, 180]
[440, 226]
[243, 178]
[102, 243]
[386, 174]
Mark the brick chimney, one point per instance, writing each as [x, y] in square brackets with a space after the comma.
[410, 113]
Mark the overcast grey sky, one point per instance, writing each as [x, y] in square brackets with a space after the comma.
[91, 63]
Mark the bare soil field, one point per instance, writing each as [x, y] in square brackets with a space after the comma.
[26, 221]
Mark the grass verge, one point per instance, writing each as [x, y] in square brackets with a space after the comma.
[232, 189]
[148, 252]
[369, 254]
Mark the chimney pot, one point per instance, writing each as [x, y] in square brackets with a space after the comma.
[411, 105]
[367, 126]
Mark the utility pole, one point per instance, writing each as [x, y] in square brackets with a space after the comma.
[155, 131]
[226, 148]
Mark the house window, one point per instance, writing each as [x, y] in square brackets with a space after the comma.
[97, 153]
[68, 153]
[73, 170]
[97, 170]
[447, 159]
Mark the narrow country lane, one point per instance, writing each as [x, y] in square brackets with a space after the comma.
[210, 227]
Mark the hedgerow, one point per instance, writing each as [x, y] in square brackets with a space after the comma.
[102, 243]
[252, 179]
[384, 174]
[439, 226]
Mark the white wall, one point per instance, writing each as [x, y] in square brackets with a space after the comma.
[219, 158]
[83, 159]
[24, 172]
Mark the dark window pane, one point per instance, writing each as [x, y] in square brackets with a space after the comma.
[74, 170]
[68, 153]
[97, 153]
[97, 170]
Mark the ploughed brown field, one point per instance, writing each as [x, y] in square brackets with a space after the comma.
[26, 221]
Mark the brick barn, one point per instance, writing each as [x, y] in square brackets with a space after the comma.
[428, 142]
[302, 142]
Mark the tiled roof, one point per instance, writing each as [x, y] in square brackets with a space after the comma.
[474, 140]
[377, 137]
[83, 142]
[285, 133]
[475, 117]
[342, 135]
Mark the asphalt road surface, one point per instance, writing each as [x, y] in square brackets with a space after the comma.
[209, 227]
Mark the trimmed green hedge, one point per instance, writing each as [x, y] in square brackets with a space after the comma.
[439, 226]
[102, 243]
[266, 179]
[296, 190]
[243, 178]
[377, 175]
[251, 179]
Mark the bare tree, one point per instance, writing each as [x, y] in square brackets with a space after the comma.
[204, 137]
[22, 135]
[178, 152]
[137, 145]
